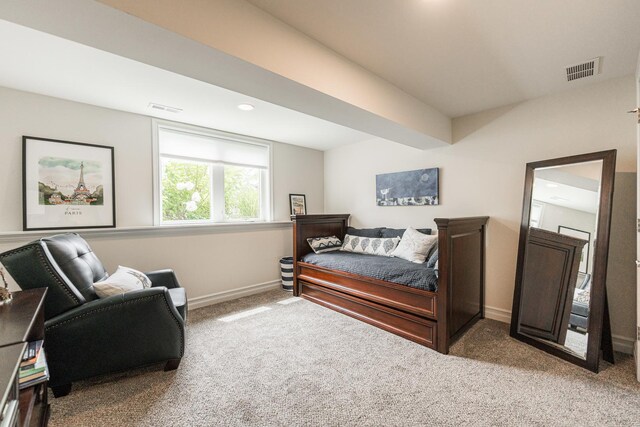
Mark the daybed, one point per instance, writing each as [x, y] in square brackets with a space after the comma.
[433, 318]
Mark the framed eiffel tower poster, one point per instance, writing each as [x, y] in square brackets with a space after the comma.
[67, 185]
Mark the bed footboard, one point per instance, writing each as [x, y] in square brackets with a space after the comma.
[461, 247]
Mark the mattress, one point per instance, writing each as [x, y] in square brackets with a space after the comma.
[393, 270]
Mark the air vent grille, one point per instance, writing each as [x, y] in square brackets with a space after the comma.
[586, 69]
[164, 108]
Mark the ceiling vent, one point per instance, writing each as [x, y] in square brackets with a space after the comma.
[586, 69]
[164, 108]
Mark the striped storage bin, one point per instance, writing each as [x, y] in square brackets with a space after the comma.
[286, 271]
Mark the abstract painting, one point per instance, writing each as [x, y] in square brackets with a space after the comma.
[411, 188]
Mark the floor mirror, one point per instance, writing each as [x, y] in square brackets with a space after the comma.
[560, 299]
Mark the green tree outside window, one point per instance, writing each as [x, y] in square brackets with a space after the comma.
[185, 191]
[241, 193]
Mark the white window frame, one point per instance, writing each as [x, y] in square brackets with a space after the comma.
[217, 170]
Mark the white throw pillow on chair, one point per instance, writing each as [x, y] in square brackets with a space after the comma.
[124, 280]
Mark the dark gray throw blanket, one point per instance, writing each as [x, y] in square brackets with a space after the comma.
[394, 270]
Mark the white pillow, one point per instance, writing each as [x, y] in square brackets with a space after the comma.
[124, 280]
[370, 245]
[415, 246]
[146, 282]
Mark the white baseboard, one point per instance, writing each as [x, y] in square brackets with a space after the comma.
[623, 344]
[635, 356]
[217, 297]
[499, 314]
[620, 343]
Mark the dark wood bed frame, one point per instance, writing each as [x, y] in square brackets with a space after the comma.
[433, 319]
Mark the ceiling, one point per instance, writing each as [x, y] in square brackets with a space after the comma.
[45, 64]
[459, 56]
[465, 56]
[574, 186]
[566, 196]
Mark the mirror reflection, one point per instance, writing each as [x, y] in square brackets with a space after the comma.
[563, 216]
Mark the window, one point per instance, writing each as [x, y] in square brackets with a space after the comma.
[209, 176]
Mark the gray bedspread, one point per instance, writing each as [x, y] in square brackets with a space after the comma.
[394, 270]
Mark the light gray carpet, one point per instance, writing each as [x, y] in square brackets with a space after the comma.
[304, 365]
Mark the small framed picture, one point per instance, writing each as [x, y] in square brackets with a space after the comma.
[579, 234]
[67, 185]
[298, 204]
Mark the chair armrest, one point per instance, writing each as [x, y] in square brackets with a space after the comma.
[114, 334]
[142, 298]
[166, 278]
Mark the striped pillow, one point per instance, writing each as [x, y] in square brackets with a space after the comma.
[324, 244]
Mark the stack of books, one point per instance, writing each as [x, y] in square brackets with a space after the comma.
[33, 368]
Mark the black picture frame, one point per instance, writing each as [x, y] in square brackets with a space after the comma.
[78, 214]
[293, 200]
[580, 234]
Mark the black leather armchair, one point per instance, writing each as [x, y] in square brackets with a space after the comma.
[87, 336]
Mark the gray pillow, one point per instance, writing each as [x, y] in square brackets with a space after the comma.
[431, 261]
[398, 232]
[365, 232]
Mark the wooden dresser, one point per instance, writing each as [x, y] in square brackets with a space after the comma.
[21, 322]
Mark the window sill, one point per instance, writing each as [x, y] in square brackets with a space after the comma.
[151, 231]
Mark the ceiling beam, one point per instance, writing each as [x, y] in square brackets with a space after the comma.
[298, 73]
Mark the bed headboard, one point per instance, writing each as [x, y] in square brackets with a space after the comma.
[305, 226]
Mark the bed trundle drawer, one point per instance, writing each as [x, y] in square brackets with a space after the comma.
[409, 326]
[416, 301]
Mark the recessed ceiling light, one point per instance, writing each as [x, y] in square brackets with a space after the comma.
[246, 107]
[552, 185]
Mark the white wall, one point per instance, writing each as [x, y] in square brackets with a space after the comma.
[621, 270]
[206, 261]
[482, 173]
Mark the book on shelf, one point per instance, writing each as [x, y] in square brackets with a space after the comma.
[38, 378]
[31, 354]
[33, 371]
[36, 368]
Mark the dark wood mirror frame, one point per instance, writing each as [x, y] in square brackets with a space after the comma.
[599, 325]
